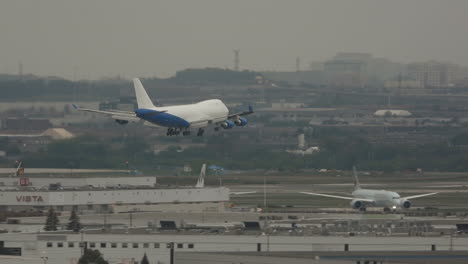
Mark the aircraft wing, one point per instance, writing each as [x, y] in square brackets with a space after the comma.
[240, 193]
[115, 114]
[339, 197]
[250, 111]
[418, 196]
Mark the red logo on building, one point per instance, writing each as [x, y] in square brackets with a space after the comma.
[24, 181]
[29, 198]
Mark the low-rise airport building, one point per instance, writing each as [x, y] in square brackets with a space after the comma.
[107, 195]
[113, 200]
[126, 246]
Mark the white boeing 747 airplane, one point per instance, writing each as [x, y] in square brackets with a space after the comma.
[178, 118]
[363, 198]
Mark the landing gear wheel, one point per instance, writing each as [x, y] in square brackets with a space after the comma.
[362, 209]
[216, 129]
[186, 133]
[386, 210]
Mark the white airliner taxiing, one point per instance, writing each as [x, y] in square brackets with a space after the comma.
[363, 198]
[178, 118]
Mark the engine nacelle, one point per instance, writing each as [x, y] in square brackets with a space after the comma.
[228, 124]
[241, 121]
[121, 122]
[356, 204]
[405, 204]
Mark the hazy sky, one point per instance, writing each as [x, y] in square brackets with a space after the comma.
[146, 38]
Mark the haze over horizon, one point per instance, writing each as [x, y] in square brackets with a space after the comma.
[93, 39]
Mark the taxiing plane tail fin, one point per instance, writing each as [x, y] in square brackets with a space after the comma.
[142, 97]
[356, 179]
[201, 178]
[20, 169]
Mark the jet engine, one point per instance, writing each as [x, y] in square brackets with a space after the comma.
[405, 204]
[121, 122]
[241, 121]
[228, 124]
[356, 204]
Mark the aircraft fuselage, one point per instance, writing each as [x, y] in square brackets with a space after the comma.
[186, 116]
[381, 198]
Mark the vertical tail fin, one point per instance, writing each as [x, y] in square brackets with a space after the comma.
[356, 179]
[19, 170]
[201, 178]
[142, 97]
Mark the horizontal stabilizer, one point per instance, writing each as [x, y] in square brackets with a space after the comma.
[115, 114]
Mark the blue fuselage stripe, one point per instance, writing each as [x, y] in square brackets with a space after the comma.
[161, 118]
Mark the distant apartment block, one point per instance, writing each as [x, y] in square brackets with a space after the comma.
[403, 84]
[433, 74]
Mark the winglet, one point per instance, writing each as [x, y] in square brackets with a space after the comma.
[75, 106]
[251, 109]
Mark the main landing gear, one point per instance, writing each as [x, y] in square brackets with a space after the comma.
[172, 131]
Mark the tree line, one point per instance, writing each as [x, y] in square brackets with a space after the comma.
[337, 151]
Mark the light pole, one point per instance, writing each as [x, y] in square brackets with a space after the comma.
[82, 246]
[264, 192]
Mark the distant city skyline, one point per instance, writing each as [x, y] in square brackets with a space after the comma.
[94, 39]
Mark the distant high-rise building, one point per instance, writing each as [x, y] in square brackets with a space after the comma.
[348, 69]
[433, 74]
[317, 66]
[353, 56]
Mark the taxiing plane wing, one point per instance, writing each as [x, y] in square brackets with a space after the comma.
[115, 114]
[339, 197]
[240, 193]
[418, 196]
